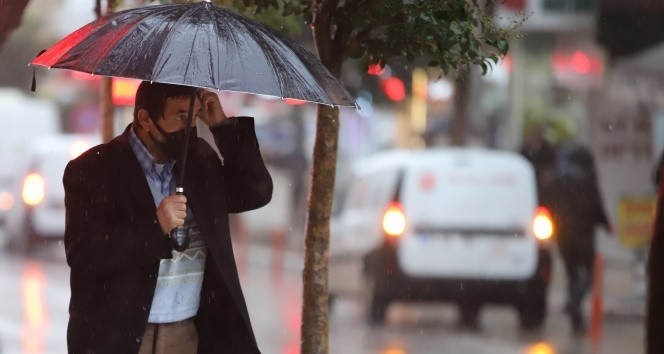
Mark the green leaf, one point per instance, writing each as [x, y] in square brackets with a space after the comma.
[502, 45]
[449, 34]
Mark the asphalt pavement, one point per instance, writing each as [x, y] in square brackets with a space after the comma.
[35, 293]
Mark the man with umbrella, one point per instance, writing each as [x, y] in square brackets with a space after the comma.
[119, 196]
[130, 290]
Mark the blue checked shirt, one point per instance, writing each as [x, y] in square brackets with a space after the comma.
[162, 180]
[180, 279]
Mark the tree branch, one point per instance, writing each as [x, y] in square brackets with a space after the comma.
[11, 12]
[355, 43]
[322, 30]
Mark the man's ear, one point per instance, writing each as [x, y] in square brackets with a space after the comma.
[144, 118]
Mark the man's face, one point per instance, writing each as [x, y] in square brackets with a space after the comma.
[175, 114]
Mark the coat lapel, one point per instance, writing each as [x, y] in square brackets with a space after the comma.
[131, 174]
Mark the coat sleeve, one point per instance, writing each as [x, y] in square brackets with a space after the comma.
[100, 237]
[247, 181]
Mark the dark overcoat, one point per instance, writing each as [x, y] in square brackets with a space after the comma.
[114, 242]
[655, 296]
[577, 209]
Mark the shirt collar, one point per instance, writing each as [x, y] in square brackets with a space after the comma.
[144, 157]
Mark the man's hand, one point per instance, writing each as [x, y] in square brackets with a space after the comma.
[171, 212]
[211, 112]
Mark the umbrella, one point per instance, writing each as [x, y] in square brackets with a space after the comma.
[198, 45]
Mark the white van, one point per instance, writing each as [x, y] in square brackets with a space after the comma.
[38, 215]
[450, 225]
[24, 118]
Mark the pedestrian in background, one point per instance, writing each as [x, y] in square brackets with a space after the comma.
[541, 155]
[131, 291]
[576, 207]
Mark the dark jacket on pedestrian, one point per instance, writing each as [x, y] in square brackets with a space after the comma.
[543, 158]
[576, 207]
[114, 242]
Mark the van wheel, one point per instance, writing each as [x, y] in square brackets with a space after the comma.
[375, 303]
[469, 315]
[532, 313]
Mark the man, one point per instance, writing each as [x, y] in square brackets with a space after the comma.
[130, 291]
[577, 209]
[541, 155]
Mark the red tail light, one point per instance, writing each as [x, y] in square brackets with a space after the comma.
[394, 221]
[542, 224]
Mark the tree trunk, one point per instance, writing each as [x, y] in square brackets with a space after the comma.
[107, 109]
[315, 310]
[11, 12]
[462, 90]
[317, 234]
[106, 100]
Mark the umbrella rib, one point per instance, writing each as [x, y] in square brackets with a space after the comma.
[213, 19]
[160, 63]
[232, 35]
[193, 42]
[85, 52]
[251, 29]
[139, 20]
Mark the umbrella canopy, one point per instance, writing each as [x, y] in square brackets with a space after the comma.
[201, 45]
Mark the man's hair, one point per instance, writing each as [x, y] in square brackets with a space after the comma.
[152, 97]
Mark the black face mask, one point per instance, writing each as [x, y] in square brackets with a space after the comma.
[174, 143]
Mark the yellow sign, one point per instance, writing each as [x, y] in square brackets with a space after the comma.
[635, 220]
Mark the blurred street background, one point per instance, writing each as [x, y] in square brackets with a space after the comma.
[584, 72]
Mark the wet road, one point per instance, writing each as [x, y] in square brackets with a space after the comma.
[34, 294]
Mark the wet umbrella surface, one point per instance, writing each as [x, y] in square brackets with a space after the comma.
[197, 44]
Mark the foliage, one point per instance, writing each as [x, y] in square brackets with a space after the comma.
[274, 15]
[450, 33]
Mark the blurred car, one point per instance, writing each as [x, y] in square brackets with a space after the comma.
[38, 213]
[453, 225]
[24, 119]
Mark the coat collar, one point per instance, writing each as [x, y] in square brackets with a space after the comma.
[134, 177]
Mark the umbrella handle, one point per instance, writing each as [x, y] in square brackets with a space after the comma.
[180, 235]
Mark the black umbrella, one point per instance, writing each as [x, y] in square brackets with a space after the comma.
[198, 45]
